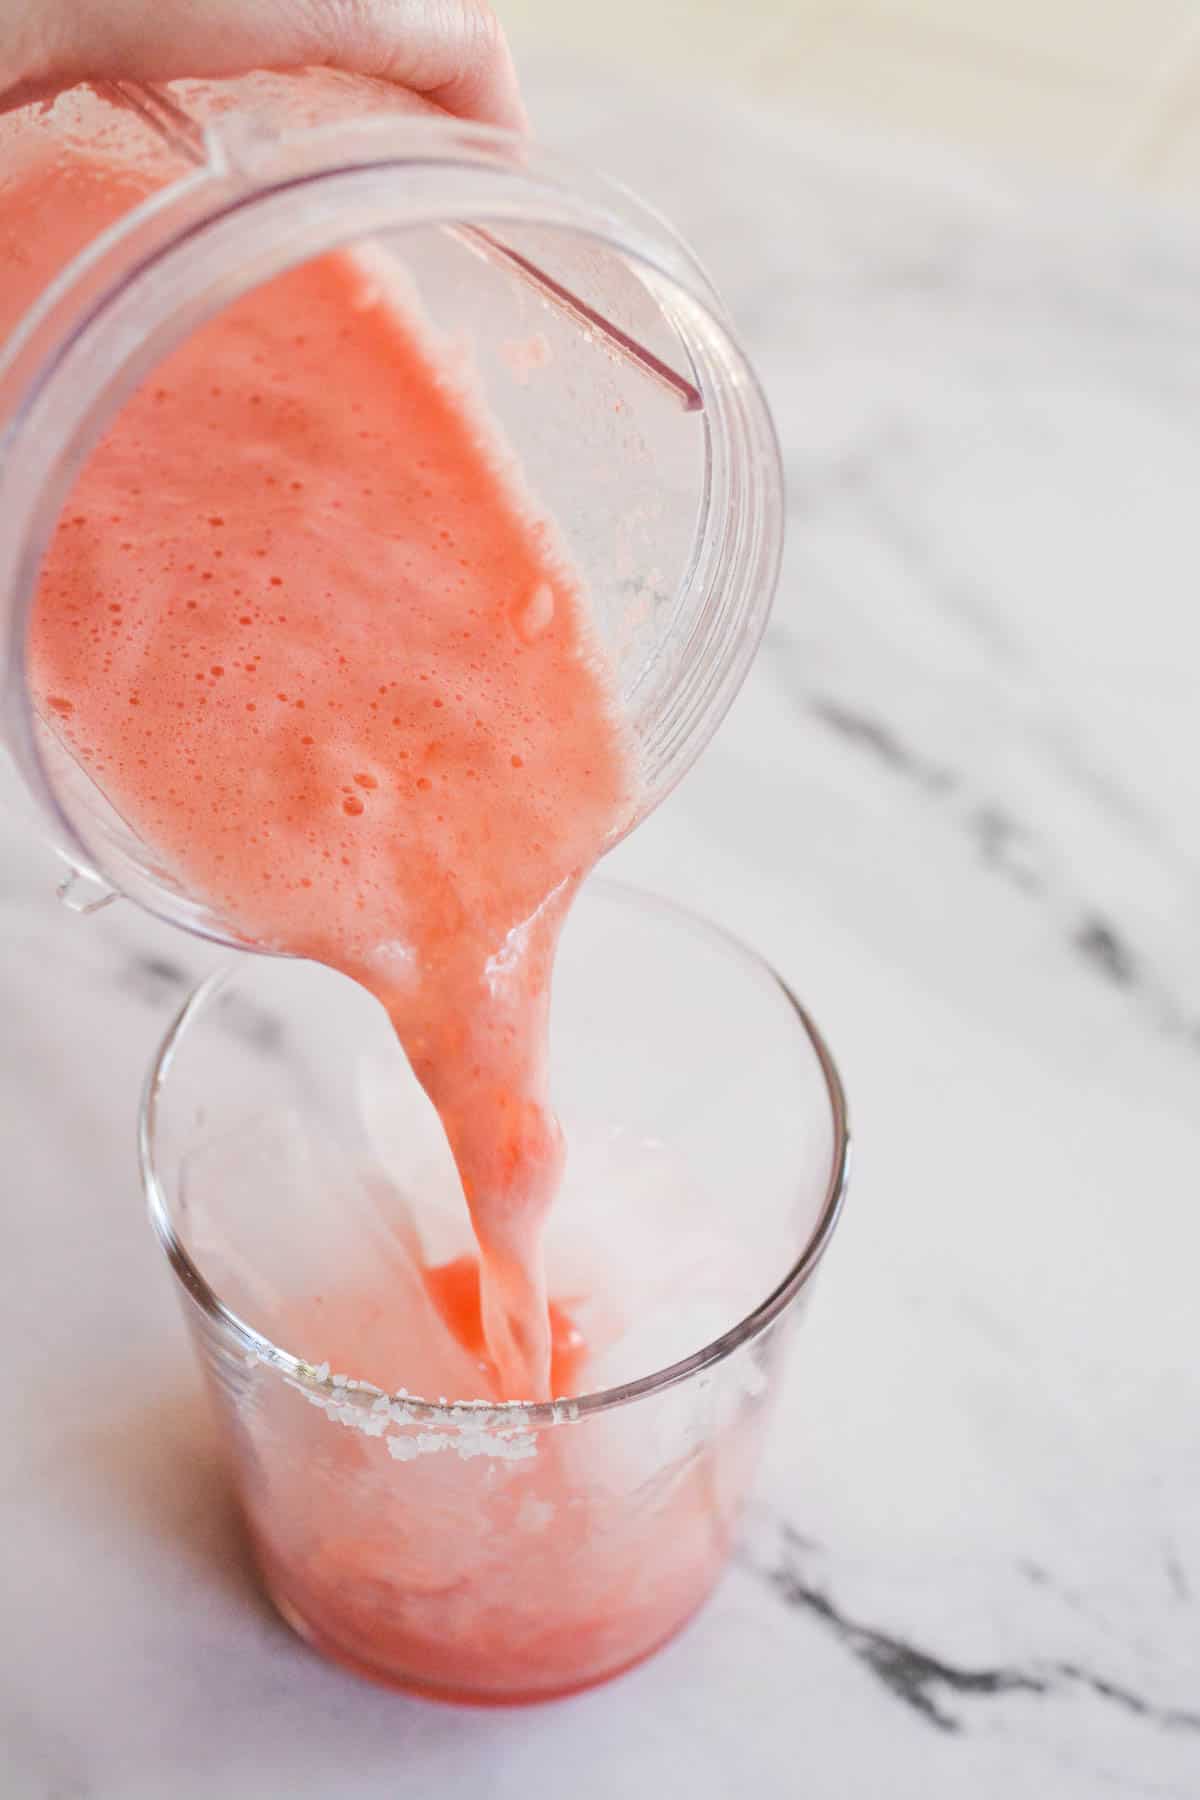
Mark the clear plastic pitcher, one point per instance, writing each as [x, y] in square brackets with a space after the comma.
[595, 340]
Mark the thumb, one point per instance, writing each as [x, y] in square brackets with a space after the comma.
[452, 52]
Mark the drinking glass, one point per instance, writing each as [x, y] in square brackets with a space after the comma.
[298, 1181]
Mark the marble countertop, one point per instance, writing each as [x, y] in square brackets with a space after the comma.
[957, 805]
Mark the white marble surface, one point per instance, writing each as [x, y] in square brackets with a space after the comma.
[957, 806]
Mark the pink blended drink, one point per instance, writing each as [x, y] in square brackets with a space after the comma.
[319, 649]
[316, 649]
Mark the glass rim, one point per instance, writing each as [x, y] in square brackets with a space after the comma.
[524, 1414]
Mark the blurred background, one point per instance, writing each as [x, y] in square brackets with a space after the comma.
[1106, 89]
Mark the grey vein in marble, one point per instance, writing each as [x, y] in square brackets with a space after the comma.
[1006, 845]
[921, 1680]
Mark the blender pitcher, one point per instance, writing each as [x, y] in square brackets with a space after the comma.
[129, 215]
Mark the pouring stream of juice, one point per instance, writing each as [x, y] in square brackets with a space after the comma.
[313, 642]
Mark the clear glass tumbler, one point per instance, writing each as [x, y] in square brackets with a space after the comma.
[405, 1522]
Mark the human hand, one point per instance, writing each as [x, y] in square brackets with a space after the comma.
[450, 51]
